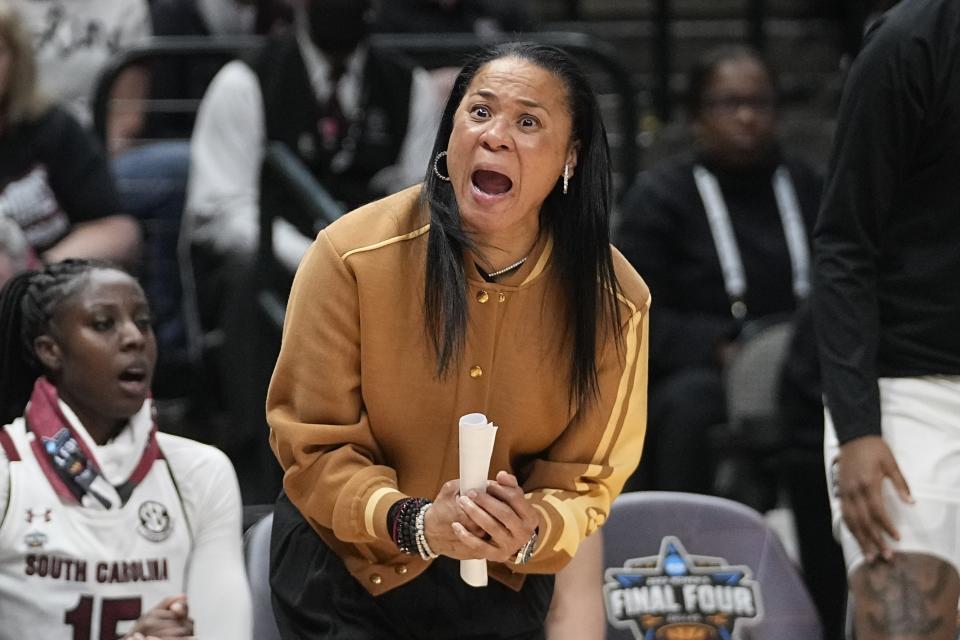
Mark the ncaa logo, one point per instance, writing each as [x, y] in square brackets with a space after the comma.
[676, 595]
[155, 524]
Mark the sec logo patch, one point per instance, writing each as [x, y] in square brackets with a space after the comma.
[155, 524]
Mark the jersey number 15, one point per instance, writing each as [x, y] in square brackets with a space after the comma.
[112, 611]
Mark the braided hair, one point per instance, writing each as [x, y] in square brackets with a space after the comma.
[28, 302]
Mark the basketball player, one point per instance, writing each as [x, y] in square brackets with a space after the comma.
[886, 305]
[108, 528]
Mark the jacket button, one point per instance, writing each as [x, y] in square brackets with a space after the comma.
[482, 296]
[476, 371]
[375, 578]
[502, 297]
[401, 569]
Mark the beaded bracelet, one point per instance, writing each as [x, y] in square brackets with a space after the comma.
[408, 528]
[395, 520]
[402, 524]
[425, 551]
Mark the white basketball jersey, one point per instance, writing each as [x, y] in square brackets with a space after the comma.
[72, 573]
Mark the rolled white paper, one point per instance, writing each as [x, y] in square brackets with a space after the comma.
[476, 447]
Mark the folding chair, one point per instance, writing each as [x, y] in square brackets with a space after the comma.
[709, 566]
[748, 444]
[256, 552]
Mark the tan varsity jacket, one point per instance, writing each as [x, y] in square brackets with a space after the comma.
[360, 420]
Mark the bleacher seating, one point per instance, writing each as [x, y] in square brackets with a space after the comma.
[803, 48]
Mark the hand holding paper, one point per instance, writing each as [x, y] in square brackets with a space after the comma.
[476, 448]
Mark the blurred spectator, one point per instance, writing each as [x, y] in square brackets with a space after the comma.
[361, 120]
[721, 235]
[73, 40]
[483, 17]
[54, 181]
[14, 250]
[152, 176]
[346, 110]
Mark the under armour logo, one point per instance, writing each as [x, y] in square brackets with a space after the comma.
[46, 514]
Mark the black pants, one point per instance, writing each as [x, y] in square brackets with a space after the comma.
[314, 596]
[676, 456]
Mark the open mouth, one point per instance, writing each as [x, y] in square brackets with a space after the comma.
[491, 182]
[133, 374]
[134, 378]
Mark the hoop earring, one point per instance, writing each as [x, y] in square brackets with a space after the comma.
[566, 177]
[436, 167]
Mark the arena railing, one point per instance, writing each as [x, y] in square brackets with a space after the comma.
[166, 48]
[429, 50]
[289, 191]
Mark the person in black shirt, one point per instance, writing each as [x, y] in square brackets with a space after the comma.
[886, 307]
[702, 317]
[737, 174]
[54, 181]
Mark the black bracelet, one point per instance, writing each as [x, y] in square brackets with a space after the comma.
[392, 518]
[401, 537]
[409, 525]
[402, 523]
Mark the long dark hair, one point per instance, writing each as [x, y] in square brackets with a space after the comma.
[578, 222]
[28, 302]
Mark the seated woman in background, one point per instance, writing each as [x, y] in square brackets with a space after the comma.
[721, 234]
[108, 528]
[54, 180]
